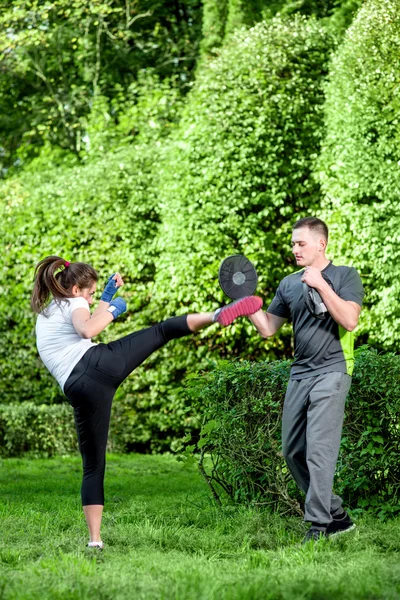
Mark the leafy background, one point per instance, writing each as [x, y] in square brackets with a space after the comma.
[158, 137]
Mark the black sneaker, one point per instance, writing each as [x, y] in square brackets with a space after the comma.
[314, 534]
[342, 525]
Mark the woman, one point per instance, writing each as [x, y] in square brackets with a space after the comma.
[88, 373]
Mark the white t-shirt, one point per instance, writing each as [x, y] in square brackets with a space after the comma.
[59, 345]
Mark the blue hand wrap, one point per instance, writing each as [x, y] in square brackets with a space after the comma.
[110, 289]
[117, 307]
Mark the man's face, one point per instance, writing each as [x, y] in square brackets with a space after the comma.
[307, 246]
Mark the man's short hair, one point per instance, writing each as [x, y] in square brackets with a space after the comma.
[314, 224]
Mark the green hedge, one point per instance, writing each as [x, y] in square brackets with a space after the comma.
[240, 404]
[40, 430]
[359, 166]
[238, 169]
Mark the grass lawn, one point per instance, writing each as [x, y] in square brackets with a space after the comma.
[166, 540]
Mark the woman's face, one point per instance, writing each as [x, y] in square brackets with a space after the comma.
[86, 293]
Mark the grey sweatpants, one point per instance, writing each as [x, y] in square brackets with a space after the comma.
[311, 430]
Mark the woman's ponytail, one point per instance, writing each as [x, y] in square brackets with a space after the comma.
[51, 281]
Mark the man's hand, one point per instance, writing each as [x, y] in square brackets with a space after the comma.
[344, 312]
[312, 277]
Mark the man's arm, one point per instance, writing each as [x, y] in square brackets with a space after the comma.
[345, 312]
[266, 323]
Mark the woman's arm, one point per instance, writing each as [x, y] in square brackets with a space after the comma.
[100, 308]
[87, 326]
[113, 284]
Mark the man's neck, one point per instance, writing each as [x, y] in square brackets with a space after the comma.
[321, 263]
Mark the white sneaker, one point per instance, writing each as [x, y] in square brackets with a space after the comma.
[99, 545]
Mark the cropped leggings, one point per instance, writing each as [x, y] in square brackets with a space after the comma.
[91, 387]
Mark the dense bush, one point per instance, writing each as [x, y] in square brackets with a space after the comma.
[240, 404]
[368, 473]
[40, 430]
[359, 167]
[238, 170]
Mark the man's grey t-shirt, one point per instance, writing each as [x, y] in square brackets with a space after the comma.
[320, 346]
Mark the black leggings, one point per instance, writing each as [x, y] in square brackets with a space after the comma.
[90, 389]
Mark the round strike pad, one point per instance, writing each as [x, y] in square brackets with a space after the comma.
[237, 277]
[314, 302]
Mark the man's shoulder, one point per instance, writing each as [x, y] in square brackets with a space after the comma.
[342, 267]
[342, 270]
[292, 277]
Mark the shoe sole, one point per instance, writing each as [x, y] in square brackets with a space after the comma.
[241, 308]
[340, 532]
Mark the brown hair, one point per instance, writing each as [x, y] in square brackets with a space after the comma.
[314, 224]
[59, 284]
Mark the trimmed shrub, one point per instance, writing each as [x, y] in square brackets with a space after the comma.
[40, 430]
[359, 166]
[368, 473]
[37, 430]
[238, 171]
[240, 404]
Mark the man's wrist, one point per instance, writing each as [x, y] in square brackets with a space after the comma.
[324, 288]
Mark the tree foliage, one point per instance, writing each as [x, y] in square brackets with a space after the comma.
[57, 57]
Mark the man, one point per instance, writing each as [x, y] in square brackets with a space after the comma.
[321, 372]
